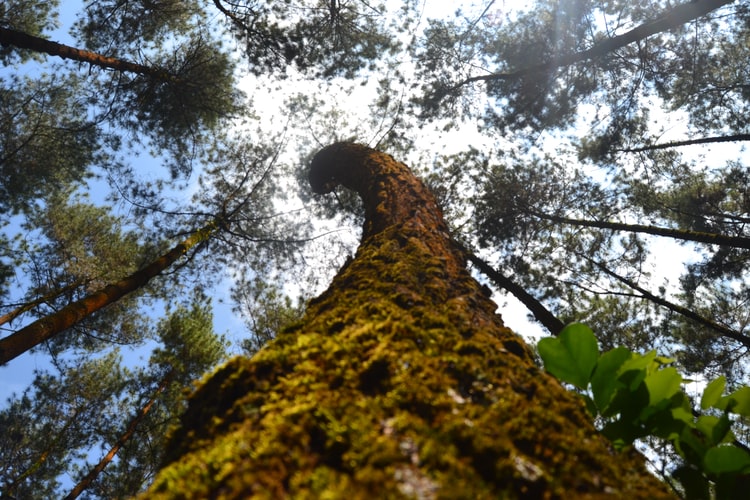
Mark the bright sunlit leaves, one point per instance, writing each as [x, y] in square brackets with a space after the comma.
[571, 357]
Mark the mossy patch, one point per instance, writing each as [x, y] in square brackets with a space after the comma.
[372, 398]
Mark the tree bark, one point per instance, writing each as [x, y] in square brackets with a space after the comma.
[400, 381]
[32, 304]
[45, 328]
[23, 40]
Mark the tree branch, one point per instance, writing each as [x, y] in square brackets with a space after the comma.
[689, 142]
[684, 311]
[679, 234]
[537, 309]
[669, 20]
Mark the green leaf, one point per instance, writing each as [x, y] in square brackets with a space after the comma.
[590, 406]
[712, 392]
[629, 403]
[722, 432]
[716, 428]
[692, 445]
[740, 401]
[682, 414]
[604, 381]
[713, 427]
[706, 423]
[726, 459]
[695, 484]
[662, 385]
[571, 357]
[634, 370]
[661, 423]
[663, 360]
[622, 433]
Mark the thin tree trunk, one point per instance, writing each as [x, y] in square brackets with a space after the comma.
[678, 234]
[672, 19]
[11, 315]
[124, 438]
[688, 142]
[684, 311]
[541, 313]
[45, 328]
[9, 490]
[399, 382]
[23, 40]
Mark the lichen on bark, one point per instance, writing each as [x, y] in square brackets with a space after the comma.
[399, 382]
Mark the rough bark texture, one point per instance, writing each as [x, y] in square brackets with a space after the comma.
[401, 381]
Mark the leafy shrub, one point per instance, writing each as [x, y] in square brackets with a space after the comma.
[640, 395]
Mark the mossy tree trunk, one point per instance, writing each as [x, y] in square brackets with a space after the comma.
[400, 381]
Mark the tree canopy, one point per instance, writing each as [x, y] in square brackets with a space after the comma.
[588, 156]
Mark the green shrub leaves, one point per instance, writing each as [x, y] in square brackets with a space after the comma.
[571, 357]
[640, 395]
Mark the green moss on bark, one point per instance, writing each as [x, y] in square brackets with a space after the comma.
[400, 382]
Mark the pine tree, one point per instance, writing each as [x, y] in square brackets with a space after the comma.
[400, 380]
[598, 133]
[574, 98]
[44, 143]
[55, 323]
[55, 422]
[189, 348]
[70, 415]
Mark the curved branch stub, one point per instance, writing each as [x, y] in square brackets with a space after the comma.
[391, 194]
[340, 163]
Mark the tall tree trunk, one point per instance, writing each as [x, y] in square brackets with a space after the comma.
[45, 328]
[124, 438]
[23, 40]
[400, 381]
